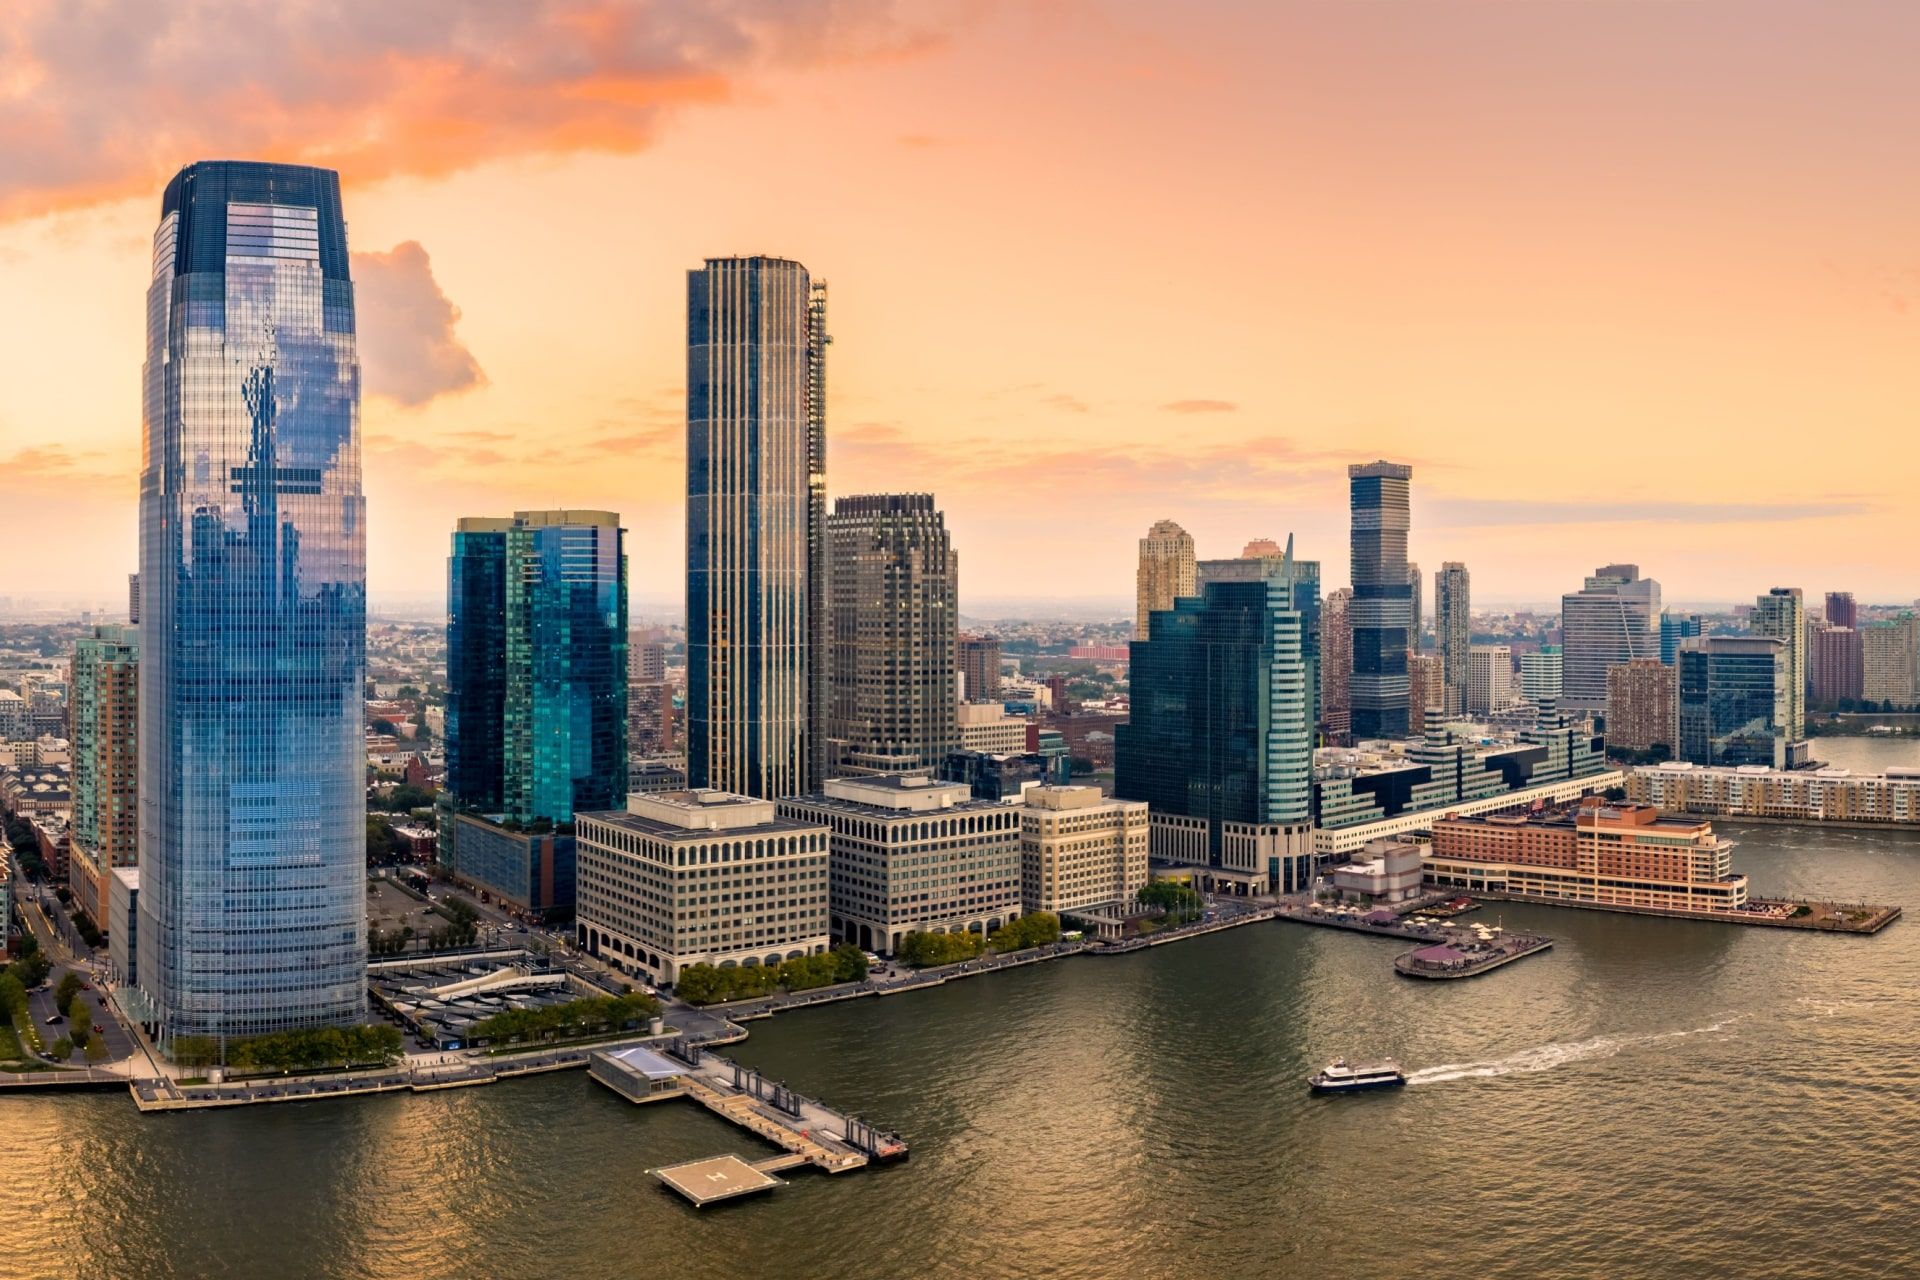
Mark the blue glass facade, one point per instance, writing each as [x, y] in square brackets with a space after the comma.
[1676, 628]
[1219, 728]
[253, 610]
[1733, 691]
[537, 665]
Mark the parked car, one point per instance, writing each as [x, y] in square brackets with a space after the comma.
[54, 1019]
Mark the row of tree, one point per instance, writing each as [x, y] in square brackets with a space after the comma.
[1035, 929]
[924, 950]
[1176, 903]
[709, 984]
[591, 1016]
[306, 1050]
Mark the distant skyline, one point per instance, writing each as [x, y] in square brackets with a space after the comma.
[1622, 282]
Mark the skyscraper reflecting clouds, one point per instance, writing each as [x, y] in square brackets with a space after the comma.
[253, 609]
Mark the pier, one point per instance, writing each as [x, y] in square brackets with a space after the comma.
[808, 1132]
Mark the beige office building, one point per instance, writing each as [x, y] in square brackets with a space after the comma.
[986, 726]
[1080, 851]
[911, 855]
[699, 877]
[1489, 678]
[1167, 572]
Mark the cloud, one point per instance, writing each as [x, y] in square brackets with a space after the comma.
[1061, 400]
[1484, 512]
[102, 99]
[408, 351]
[1200, 406]
[36, 467]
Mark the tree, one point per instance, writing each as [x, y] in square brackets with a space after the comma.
[920, 950]
[380, 842]
[1035, 929]
[69, 988]
[80, 1014]
[60, 1050]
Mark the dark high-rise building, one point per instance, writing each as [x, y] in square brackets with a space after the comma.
[1219, 743]
[252, 904]
[757, 606]
[980, 667]
[1266, 561]
[1453, 627]
[133, 599]
[1414, 617]
[1733, 701]
[537, 665]
[1842, 610]
[1382, 608]
[894, 595]
[1835, 666]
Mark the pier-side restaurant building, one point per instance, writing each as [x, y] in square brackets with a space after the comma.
[703, 876]
[1594, 853]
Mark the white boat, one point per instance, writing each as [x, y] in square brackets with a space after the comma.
[1341, 1076]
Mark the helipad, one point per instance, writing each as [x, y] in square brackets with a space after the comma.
[721, 1178]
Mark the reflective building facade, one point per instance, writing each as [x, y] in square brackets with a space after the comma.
[253, 610]
[756, 527]
[1382, 610]
[1733, 701]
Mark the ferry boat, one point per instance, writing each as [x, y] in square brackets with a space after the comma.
[1341, 1076]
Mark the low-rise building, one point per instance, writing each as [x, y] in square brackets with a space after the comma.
[700, 877]
[1387, 870]
[533, 871]
[986, 726]
[912, 855]
[1590, 854]
[1795, 795]
[122, 922]
[1080, 851]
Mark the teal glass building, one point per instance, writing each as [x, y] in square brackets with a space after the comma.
[1733, 694]
[253, 611]
[1220, 740]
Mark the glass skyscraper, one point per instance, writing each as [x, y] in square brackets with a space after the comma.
[1220, 741]
[1675, 629]
[1733, 701]
[253, 610]
[756, 527]
[537, 665]
[1382, 608]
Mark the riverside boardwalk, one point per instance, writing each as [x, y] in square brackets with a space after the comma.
[808, 1132]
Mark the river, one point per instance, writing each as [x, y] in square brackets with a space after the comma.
[1651, 1098]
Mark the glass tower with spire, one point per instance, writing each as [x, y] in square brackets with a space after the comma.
[253, 610]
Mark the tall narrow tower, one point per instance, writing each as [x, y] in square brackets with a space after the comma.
[756, 526]
[1453, 625]
[1167, 572]
[1382, 598]
[253, 611]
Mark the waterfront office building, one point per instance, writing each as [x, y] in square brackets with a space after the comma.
[105, 692]
[536, 724]
[1610, 620]
[1782, 614]
[1081, 851]
[894, 600]
[911, 855]
[1676, 629]
[1265, 561]
[1593, 854]
[1166, 572]
[253, 611]
[1219, 744]
[1336, 666]
[1733, 698]
[1792, 795]
[699, 877]
[1489, 678]
[1381, 612]
[756, 527]
[1643, 706]
[1453, 625]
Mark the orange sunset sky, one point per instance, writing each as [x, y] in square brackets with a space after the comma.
[1622, 279]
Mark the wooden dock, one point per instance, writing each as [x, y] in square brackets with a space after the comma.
[806, 1131]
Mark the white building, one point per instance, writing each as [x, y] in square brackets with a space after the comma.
[699, 877]
[911, 855]
[986, 726]
[1489, 678]
[1386, 870]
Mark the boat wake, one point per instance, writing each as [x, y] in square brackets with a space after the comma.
[1548, 1056]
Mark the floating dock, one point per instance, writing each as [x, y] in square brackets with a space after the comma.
[808, 1132]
